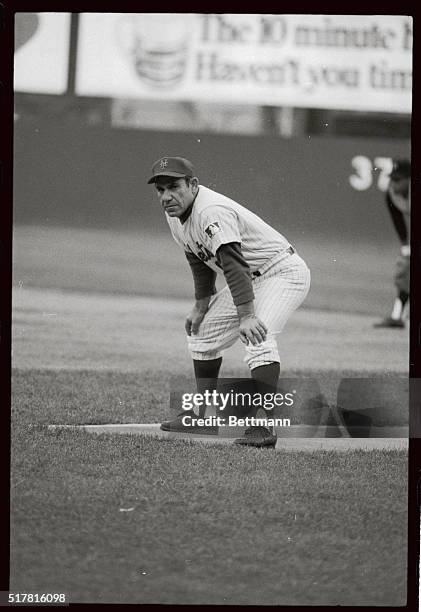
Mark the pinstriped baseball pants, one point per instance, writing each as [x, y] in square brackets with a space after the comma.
[278, 292]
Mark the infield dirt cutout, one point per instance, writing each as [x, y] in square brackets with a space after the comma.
[295, 438]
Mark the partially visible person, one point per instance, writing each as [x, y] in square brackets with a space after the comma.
[398, 201]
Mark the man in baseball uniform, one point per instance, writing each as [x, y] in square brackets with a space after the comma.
[398, 201]
[265, 280]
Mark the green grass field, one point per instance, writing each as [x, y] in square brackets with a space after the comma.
[138, 520]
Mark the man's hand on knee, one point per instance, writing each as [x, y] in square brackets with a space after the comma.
[196, 316]
[252, 330]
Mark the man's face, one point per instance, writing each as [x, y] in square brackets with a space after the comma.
[176, 194]
[400, 185]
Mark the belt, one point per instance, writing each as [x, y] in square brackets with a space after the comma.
[290, 251]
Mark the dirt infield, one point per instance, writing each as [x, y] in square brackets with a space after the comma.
[346, 277]
[61, 329]
[294, 440]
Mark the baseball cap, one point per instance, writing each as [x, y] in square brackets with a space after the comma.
[401, 169]
[172, 166]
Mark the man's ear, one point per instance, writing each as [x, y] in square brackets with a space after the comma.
[194, 182]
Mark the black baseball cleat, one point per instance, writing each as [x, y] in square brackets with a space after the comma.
[389, 322]
[189, 426]
[258, 436]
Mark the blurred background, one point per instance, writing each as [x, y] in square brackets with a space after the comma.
[296, 117]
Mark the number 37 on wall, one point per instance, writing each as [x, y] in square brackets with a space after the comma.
[365, 172]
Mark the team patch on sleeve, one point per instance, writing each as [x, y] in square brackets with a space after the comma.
[212, 229]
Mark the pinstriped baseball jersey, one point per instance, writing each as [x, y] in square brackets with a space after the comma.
[215, 220]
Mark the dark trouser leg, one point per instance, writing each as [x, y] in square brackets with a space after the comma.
[266, 381]
[206, 373]
[266, 378]
[403, 296]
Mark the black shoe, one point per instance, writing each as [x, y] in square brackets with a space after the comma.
[389, 322]
[177, 425]
[257, 436]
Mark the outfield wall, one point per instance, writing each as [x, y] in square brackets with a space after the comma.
[96, 177]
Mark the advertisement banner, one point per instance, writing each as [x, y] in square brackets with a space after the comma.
[41, 52]
[348, 62]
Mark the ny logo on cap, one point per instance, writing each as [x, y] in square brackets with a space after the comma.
[163, 163]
